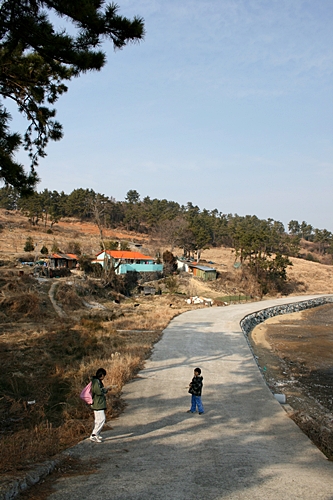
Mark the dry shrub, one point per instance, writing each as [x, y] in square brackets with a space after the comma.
[67, 296]
[123, 368]
[27, 447]
[25, 282]
[27, 304]
[92, 324]
[152, 314]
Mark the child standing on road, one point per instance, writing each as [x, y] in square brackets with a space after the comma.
[99, 404]
[195, 388]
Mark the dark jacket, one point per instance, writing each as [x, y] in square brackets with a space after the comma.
[196, 386]
[98, 394]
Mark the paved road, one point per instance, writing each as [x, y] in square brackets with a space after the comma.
[243, 447]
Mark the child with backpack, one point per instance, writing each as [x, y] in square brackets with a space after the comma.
[98, 392]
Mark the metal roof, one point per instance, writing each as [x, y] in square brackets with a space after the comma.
[203, 268]
[125, 254]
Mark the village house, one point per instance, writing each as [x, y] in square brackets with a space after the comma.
[125, 261]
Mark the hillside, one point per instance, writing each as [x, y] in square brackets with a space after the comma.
[304, 276]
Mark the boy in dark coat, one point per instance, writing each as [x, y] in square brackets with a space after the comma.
[195, 388]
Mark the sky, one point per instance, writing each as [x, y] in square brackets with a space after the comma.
[227, 104]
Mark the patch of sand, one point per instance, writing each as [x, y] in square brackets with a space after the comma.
[259, 333]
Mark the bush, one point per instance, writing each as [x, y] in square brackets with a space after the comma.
[29, 245]
[44, 250]
[67, 295]
[309, 256]
[55, 247]
[94, 269]
[170, 263]
[109, 245]
[171, 283]
[26, 304]
[74, 247]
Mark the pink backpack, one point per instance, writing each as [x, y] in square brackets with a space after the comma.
[86, 394]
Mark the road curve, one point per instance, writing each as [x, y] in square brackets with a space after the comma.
[243, 447]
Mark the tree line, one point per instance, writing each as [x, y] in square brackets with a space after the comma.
[184, 226]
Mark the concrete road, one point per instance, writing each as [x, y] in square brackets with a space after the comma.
[243, 447]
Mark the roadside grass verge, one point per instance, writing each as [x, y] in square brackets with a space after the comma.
[45, 365]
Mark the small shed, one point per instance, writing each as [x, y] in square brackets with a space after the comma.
[68, 260]
[204, 272]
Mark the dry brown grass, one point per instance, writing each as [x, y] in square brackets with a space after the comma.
[312, 277]
[305, 277]
[17, 228]
[67, 295]
[47, 365]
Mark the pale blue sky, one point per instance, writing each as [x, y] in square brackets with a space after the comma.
[226, 103]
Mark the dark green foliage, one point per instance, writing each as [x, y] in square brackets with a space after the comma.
[29, 245]
[9, 198]
[294, 227]
[132, 196]
[271, 273]
[44, 250]
[78, 203]
[324, 240]
[36, 60]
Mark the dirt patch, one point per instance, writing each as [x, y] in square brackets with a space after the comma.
[295, 354]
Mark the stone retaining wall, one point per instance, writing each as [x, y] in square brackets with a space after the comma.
[252, 320]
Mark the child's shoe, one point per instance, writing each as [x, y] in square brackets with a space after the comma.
[95, 439]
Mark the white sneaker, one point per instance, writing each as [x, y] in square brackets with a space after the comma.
[95, 439]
